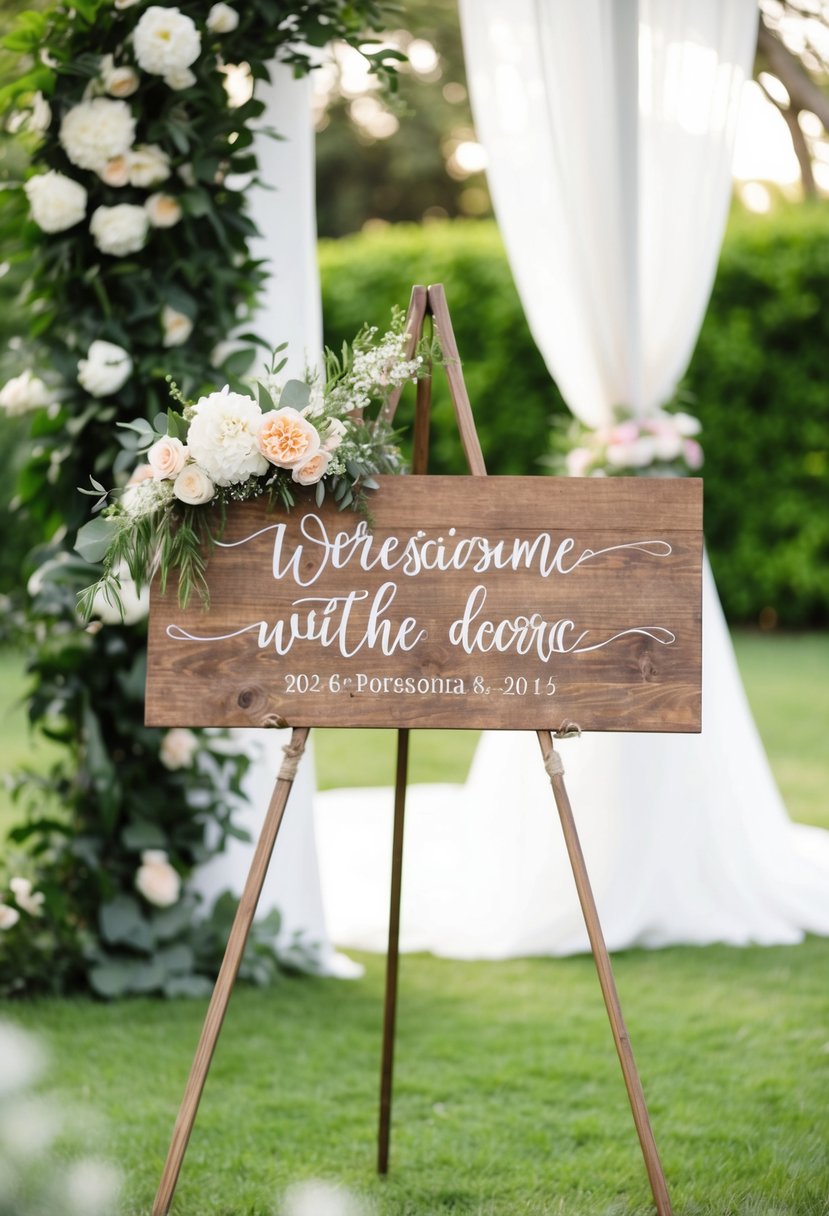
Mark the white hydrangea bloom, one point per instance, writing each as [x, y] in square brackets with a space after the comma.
[23, 393]
[95, 131]
[165, 41]
[56, 202]
[148, 165]
[223, 437]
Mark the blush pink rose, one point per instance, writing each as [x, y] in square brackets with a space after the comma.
[167, 458]
[309, 473]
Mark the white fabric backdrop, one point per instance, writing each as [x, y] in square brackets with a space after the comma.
[611, 184]
[290, 311]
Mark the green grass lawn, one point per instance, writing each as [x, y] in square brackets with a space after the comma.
[508, 1095]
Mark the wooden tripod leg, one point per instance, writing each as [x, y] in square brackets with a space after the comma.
[633, 1085]
[227, 974]
[390, 1008]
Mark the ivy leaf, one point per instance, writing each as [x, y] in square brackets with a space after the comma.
[121, 920]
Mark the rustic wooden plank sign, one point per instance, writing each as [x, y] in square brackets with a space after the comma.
[502, 603]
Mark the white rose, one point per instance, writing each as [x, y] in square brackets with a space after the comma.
[115, 172]
[8, 916]
[179, 78]
[222, 19]
[667, 446]
[93, 132]
[23, 393]
[177, 327]
[178, 748]
[56, 201]
[165, 40]
[187, 175]
[147, 165]
[40, 118]
[193, 486]
[223, 437]
[163, 210]
[634, 455]
[105, 370]
[119, 230]
[118, 82]
[156, 879]
[687, 424]
[166, 458]
[27, 899]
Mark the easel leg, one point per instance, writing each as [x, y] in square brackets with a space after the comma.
[608, 984]
[227, 973]
[390, 1009]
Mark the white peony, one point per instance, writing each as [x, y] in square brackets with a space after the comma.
[165, 41]
[166, 458]
[119, 230]
[147, 166]
[222, 19]
[178, 748]
[95, 131]
[56, 201]
[105, 370]
[23, 393]
[118, 82]
[163, 210]
[223, 437]
[193, 486]
[176, 325]
[179, 78]
[156, 879]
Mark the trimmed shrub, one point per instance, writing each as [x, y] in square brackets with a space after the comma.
[757, 381]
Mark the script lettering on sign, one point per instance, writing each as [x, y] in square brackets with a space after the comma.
[463, 602]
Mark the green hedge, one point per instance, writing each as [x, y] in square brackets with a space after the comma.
[758, 381]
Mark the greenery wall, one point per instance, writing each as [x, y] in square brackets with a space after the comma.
[759, 381]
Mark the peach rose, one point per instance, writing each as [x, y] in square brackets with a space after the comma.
[309, 473]
[115, 172]
[287, 439]
[166, 458]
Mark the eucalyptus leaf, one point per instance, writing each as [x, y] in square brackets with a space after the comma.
[121, 922]
[295, 394]
[94, 538]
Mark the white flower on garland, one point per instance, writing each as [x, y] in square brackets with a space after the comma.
[311, 471]
[118, 81]
[105, 370]
[163, 210]
[180, 78]
[131, 605]
[27, 900]
[115, 172]
[222, 19]
[176, 325]
[147, 165]
[56, 201]
[156, 879]
[8, 916]
[223, 437]
[178, 748]
[23, 393]
[166, 42]
[119, 230]
[95, 131]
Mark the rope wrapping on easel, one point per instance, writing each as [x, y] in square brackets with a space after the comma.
[293, 754]
[553, 764]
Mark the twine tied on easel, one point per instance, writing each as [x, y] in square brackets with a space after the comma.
[293, 754]
[553, 764]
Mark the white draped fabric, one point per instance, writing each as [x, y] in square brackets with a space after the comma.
[290, 311]
[609, 128]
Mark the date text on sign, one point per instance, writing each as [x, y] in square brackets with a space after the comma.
[467, 602]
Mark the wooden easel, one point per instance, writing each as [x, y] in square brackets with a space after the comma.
[425, 303]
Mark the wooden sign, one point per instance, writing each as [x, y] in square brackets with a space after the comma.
[468, 602]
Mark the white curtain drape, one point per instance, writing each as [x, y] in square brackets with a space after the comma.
[290, 311]
[609, 128]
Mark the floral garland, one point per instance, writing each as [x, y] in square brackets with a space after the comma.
[132, 228]
[661, 444]
[228, 447]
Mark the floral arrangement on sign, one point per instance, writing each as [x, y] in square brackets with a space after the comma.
[127, 227]
[661, 444]
[230, 447]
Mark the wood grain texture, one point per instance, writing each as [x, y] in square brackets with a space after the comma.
[597, 611]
